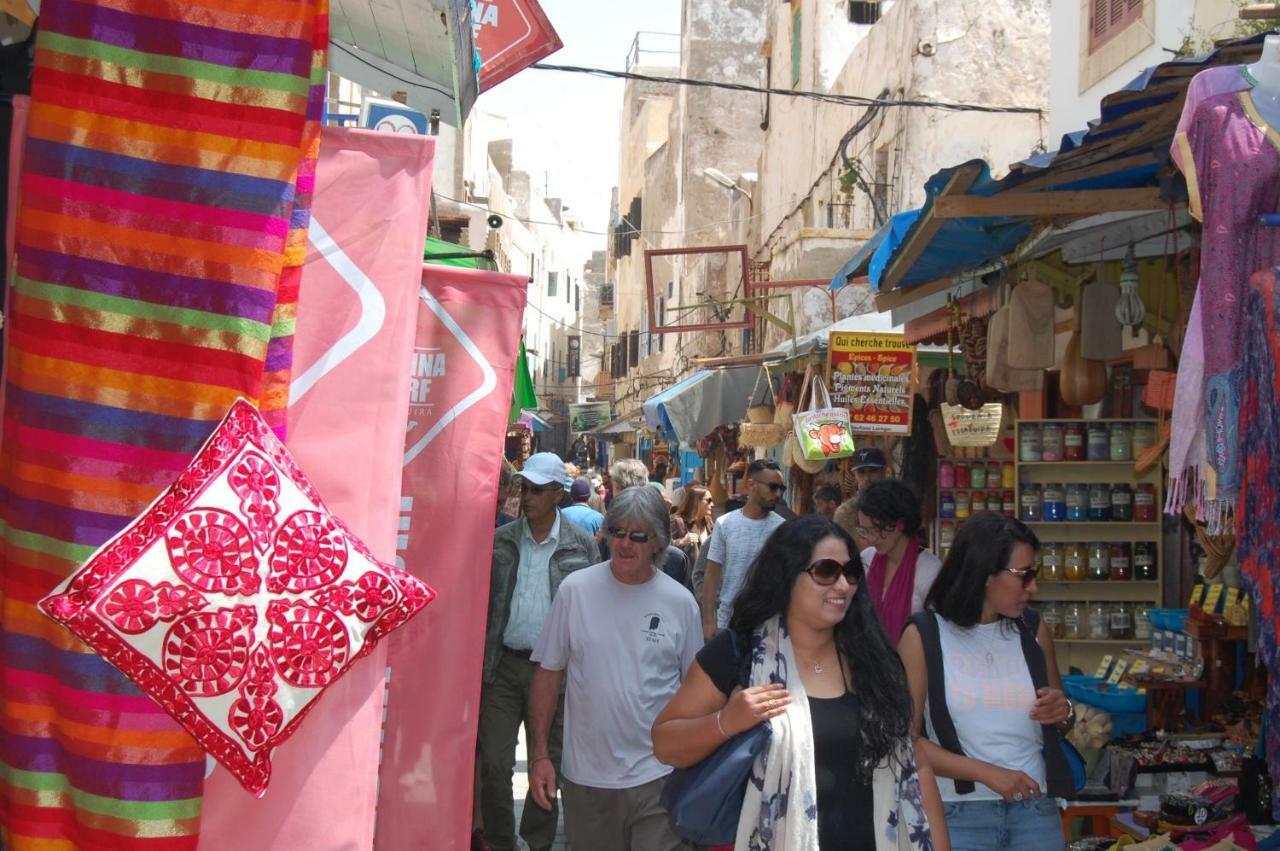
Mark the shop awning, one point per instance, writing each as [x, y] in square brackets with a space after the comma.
[693, 408]
[423, 48]
[971, 220]
[615, 430]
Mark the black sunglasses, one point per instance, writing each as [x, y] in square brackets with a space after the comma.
[825, 571]
[774, 487]
[539, 490]
[636, 537]
[1026, 574]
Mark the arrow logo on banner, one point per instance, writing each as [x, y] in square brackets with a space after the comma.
[486, 387]
[373, 312]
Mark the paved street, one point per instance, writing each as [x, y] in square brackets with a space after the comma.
[520, 786]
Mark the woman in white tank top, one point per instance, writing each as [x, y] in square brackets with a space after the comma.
[994, 789]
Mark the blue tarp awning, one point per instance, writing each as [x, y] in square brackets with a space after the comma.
[694, 407]
[1126, 148]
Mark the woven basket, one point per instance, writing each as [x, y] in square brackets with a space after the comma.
[760, 415]
[761, 435]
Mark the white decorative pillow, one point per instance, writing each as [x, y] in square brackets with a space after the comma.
[236, 597]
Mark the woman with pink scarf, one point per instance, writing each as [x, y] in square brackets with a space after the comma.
[900, 571]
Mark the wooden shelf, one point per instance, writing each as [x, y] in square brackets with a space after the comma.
[1085, 653]
[1075, 463]
[1094, 640]
[1101, 524]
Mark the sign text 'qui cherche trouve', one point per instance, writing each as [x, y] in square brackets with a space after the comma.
[871, 374]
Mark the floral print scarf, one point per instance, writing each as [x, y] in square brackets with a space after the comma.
[780, 808]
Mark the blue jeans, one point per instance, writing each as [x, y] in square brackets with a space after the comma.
[999, 826]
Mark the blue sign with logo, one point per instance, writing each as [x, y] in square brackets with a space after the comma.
[388, 116]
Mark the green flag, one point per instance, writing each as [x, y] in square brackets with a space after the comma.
[444, 253]
[522, 395]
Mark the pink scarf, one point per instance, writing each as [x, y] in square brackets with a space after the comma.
[894, 606]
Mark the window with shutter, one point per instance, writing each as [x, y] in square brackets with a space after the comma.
[1108, 18]
[553, 278]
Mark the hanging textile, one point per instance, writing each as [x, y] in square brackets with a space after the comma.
[1258, 510]
[1231, 161]
[168, 165]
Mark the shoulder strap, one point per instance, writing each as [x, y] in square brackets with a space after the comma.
[943, 727]
[1057, 769]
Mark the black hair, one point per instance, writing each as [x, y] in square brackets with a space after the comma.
[760, 465]
[981, 549]
[884, 704]
[889, 502]
[830, 493]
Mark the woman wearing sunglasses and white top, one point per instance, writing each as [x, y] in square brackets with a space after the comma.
[817, 667]
[994, 788]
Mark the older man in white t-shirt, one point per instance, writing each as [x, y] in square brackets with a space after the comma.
[623, 633]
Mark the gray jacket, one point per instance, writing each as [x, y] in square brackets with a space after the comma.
[575, 549]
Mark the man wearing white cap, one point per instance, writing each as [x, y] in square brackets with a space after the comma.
[530, 558]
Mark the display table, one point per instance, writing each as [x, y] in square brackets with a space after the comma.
[1098, 816]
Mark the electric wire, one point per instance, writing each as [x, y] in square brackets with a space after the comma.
[847, 100]
[634, 230]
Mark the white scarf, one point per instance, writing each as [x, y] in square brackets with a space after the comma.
[780, 808]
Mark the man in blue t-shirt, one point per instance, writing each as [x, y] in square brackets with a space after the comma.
[579, 513]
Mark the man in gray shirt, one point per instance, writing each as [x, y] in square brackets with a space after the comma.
[737, 540]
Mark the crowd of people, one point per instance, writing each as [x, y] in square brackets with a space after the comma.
[911, 701]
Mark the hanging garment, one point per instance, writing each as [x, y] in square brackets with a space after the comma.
[1231, 161]
[1258, 509]
[1031, 306]
[1187, 448]
[166, 174]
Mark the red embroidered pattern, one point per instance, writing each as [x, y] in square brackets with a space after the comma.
[308, 645]
[255, 717]
[255, 481]
[206, 653]
[367, 598]
[213, 550]
[179, 600]
[309, 551]
[135, 606]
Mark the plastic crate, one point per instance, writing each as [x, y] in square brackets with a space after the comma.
[1077, 686]
[1115, 698]
[1171, 619]
[1128, 723]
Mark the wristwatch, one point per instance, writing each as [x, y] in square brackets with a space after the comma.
[1070, 721]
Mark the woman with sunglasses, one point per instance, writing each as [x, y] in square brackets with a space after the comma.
[805, 654]
[691, 521]
[973, 695]
[900, 571]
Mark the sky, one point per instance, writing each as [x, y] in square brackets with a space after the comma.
[566, 126]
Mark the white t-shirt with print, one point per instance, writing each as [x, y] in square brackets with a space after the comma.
[625, 650]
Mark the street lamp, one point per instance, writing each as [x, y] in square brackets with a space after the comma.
[724, 180]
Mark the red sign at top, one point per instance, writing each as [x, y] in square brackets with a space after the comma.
[510, 36]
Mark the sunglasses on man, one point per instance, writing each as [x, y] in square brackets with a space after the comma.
[774, 487]
[825, 571]
[539, 490]
[635, 537]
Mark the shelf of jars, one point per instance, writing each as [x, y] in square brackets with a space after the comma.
[1098, 520]
[967, 486]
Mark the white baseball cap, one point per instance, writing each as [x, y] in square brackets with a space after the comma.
[543, 468]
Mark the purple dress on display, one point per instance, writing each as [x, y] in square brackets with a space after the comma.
[1231, 160]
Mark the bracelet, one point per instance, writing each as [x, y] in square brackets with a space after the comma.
[721, 726]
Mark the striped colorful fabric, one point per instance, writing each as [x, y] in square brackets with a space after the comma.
[169, 167]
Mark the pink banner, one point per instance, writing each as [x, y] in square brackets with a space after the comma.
[347, 410]
[460, 393]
